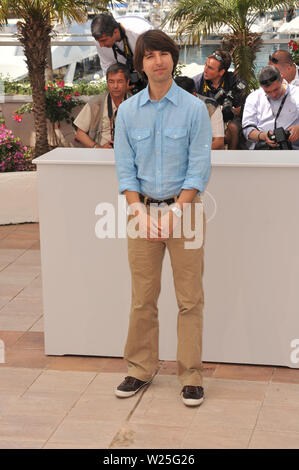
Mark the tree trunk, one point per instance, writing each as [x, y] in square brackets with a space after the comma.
[49, 65]
[34, 34]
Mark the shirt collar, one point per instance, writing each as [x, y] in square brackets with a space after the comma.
[171, 95]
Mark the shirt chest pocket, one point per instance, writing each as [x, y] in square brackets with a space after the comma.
[140, 139]
[175, 139]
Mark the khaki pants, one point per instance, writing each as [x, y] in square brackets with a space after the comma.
[141, 351]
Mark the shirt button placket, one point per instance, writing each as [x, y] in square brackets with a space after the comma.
[158, 147]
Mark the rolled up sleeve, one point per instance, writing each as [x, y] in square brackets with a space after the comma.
[199, 158]
[124, 157]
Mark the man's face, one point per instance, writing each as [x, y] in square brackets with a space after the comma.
[211, 70]
[284, 68]
[108, 41]
[275, 90]
[158, 65]
[117, 84]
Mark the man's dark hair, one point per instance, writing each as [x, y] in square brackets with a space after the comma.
[186, 83]
[268, 75]
[115, 68]
[223, 57]
[154, 40]
[103, 24]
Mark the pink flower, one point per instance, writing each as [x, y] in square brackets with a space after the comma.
[60, 84]
[59, 104]
[77, 93]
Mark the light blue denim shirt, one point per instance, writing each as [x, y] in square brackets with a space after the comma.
[162, 147]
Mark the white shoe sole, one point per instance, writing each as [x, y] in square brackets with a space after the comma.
[122, 394]
[192, 402]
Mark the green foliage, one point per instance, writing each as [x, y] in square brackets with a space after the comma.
[81, 86]
[94, 87]
[60, 101]
[178, 70]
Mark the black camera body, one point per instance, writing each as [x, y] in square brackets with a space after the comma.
[281, 137]
[226, 99]
[137, 82]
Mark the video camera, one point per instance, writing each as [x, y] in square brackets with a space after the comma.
[226, 99]
[281, 137]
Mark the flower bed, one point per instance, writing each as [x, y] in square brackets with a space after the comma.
[18, 183]
[13, 155]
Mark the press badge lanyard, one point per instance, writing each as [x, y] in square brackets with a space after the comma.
[279, 109]
[112, 115]
[126, 53]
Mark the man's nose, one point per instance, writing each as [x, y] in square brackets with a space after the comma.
[158, 59]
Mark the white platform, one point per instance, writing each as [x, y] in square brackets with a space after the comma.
[18, 197]
[251, 259]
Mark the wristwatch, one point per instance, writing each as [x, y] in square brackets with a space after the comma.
[177, 211]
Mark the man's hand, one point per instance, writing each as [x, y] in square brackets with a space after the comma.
[147, 225]
[269, 141]
[108, 145]
[168, 223]
[236, 110]
[294, 133]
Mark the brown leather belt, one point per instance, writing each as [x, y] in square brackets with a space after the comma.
[148, 200]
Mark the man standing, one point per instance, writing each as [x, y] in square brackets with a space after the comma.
[215, 80]
[283, 61]
[116, 42]
[96, 121]
[162, 152]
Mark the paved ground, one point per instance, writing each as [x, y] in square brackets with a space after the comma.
[68, 402]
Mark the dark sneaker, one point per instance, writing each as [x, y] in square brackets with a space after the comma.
[192, 396]
[129, 387]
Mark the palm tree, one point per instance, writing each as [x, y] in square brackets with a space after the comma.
[196, 18]
[34, 32]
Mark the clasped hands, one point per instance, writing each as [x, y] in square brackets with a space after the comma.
[157, 225]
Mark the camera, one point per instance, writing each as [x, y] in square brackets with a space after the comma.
[137, 82]
[226, 99]
[281, 136]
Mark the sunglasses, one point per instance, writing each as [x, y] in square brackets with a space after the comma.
[217, 56]
[268, 81]
[273, 59]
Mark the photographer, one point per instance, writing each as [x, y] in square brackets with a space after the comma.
[116, 43]
[96, 121]
[271, 113]
[225, 87]
[213, 109]
[283, 61]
